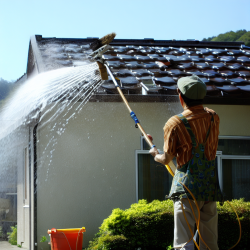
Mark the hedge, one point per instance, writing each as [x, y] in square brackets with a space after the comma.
[151, 225]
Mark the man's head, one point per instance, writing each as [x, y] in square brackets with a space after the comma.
[192, 90]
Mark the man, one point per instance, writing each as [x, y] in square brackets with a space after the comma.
[192, 137]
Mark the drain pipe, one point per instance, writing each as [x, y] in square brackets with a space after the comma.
[35, 187]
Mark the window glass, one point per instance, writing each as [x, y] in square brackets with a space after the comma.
[154, 181]
[234, 146]
[236, 175]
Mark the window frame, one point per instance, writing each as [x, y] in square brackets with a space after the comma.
[26, 176]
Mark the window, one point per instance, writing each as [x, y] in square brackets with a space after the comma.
[153, 181]
[234, 167]
[233, 162]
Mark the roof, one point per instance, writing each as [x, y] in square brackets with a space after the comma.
[148, 69]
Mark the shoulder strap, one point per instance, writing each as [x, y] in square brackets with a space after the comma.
[211, 125]
[187, 126]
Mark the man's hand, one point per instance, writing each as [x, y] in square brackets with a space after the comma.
[153, 151]
[164, 158]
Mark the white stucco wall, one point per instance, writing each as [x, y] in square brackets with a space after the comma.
[91, 169]
[12, 179]
[234, 119]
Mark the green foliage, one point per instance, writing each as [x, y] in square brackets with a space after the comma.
[228, 225]
[5, 88]
[43, 239]
[143, 225]
[19, 245]
[151, 225]
[231, 36]
[208, 39]
[245, 38]
[13, 236]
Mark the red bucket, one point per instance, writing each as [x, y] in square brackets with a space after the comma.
[66, 239]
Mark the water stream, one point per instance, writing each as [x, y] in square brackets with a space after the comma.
[66, 86]
[52, 99]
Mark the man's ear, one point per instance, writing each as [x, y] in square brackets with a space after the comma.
[181, 99]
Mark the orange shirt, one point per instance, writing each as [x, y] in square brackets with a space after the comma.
[177, 140]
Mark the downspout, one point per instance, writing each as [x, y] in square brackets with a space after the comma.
[40, 68]
[35, 186]
[30, 217]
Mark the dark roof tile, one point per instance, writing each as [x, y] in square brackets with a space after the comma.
[186, 66]
[115, 64]
[133, 65]
[234, 66]
[126, 57]
[164, 80]
[244, 73]
[227, 73]
[211, 58]
[210, 73]
[142, 58]
[219, 52]
[128, 80]
[217, 81]
[110, 57]
[141, 72]
[229, 88]
[243, 59]
[244, 88]
[123, 73]
[239, 81]
[150, 65]
[228, 59]
[219, 66]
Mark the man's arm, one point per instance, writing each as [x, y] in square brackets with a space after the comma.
[164, 158]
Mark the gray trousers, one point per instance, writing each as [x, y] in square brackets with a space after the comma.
[208, 225]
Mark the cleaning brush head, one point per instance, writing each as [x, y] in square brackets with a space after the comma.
[102, 41]
[108, 38]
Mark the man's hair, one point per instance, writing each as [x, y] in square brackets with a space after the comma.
[191, 102]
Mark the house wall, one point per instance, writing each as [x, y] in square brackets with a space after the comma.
[12, 181]
[234, 119]
[89, 170]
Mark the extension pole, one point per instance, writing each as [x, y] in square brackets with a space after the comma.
[171, 167]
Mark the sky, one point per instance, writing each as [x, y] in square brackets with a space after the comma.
[130, 19]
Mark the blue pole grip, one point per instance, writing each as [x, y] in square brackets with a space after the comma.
[133, 116]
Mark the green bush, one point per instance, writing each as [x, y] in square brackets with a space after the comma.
[228, 225]
[151, 225]
[143, 225]
[13, 236]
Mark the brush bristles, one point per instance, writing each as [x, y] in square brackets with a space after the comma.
[96, 45]
[108, 38]
[102, 41]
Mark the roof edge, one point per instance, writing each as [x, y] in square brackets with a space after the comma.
[37, 54]
[151, 41]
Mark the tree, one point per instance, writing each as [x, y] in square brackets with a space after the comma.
[5, 87]
[231, 36]
[245, 38]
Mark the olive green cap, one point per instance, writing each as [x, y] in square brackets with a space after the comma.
[192, 87]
